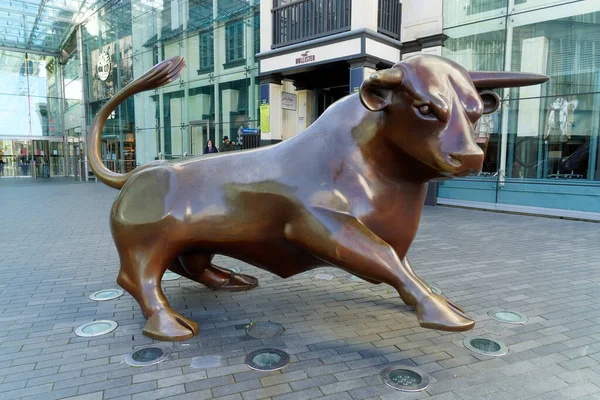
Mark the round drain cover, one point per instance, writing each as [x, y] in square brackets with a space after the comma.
[267, 359]
[435, 289]
[510, 317]
[96, 328]
[264, 330]
[148, 355]
[170, 276]
[405, 379]
[485, 346]
[106, 294]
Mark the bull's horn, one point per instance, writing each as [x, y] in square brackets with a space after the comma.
[390, 77]
[500, 79]
[376, 91]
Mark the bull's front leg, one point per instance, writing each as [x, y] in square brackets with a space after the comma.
[342, 240]
[409, 268]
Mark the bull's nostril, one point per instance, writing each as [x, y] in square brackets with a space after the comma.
[454, 160]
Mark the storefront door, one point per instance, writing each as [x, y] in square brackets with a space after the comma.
[199, 135]
[40, 158]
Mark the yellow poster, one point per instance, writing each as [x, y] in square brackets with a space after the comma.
[265, 118]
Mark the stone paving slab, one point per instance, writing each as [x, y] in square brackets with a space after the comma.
[56, 249]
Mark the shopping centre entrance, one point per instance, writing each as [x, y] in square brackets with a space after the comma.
[22, 157]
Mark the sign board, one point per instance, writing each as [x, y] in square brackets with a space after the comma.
[103, 66]
[305, 57]
[288, 101]
[250, 131]
[265, 118]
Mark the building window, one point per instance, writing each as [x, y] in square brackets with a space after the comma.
[256, 33]
[481, 6]
[207, 53]
[234, 37]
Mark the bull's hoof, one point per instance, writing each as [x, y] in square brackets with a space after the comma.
[216, 278]
[437, 312]
[166, 324]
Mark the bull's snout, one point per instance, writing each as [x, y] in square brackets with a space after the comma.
[465, 163]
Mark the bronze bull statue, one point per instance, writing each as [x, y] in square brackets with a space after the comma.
[347, 192]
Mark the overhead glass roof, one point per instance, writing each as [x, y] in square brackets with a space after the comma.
[41, 25]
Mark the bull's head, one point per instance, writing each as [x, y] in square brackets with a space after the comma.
[431, 106]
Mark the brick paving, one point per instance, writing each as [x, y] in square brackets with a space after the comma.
[56, 249]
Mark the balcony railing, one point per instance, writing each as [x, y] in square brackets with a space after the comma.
[304, 20]
[296, 21]
[389, 21]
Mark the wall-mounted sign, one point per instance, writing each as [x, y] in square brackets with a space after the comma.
[265, 118]
[288, 101]
[103, 66]
[305, 57]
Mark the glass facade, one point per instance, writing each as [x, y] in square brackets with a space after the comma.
[216, 95]
[30, 115]
[542, 144]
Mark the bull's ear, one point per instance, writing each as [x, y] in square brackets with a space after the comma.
[376, 91]
[500, 79]
[491, 101]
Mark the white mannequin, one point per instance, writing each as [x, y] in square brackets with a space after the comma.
[560, 117]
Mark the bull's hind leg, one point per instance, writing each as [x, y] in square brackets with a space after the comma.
[142, 268]
[198, 267]
[343, 241]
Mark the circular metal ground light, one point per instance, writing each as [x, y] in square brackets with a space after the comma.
[235, 270]
[267, 359]
[485, 346]
[96, 328]
[435, 289]
[106, 294]
[264, 330]
[170, 276]
[510, 317]
[148, 355]
[405, 379]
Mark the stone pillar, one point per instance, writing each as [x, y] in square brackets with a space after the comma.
[270, 110]
[305, 107]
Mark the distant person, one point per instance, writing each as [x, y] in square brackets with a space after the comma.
[46, 166]
[1, 166]
[228, 145]
[210, 148]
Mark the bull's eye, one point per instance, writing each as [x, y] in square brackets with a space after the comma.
[425, 109]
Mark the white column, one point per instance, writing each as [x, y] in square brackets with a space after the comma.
[229, 103]
[306, 109]
[276, 115]
[421, 18]
[505, 104]
[364, 14]
[271, 106]
[266, 25]
[536, 61]
[185, 117]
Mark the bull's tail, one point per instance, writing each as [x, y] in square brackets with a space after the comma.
[161, 74]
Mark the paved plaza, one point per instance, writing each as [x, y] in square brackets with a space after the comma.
[56, 249]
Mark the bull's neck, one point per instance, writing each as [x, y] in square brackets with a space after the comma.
[347, 130]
